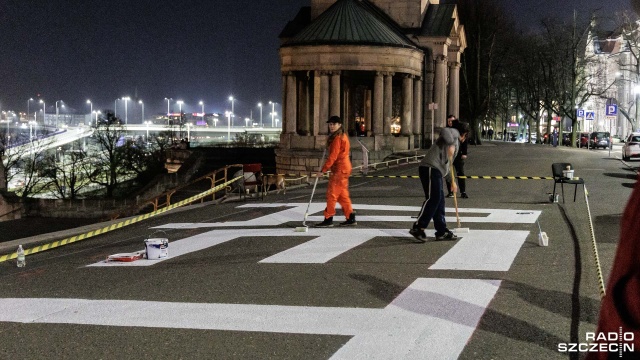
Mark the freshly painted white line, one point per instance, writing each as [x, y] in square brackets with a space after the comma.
[432, 316]
[329, 244]
[294, 212]
[489, 250]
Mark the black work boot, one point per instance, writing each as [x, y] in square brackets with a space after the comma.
[351, 221]
[328, 222]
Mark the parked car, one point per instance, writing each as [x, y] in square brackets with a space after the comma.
[631, 147]
[599, 139]
[583, 139]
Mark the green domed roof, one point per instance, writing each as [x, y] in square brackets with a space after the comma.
[350, 22]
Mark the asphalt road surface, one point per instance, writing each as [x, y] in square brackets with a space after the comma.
[240, 283]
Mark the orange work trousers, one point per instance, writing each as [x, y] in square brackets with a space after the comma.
[338, 191]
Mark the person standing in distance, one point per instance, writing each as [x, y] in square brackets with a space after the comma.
[451, 119]
[433, 168]
[458, 162]
[340, 165]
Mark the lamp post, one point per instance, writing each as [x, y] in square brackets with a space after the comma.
[90, 111]
[44, 110]
[97, 112]
[228, 113]
[202, 104]
[215, 120]
[28, 102]
[147, 138]
[246, 122]
[232, 108]
[142, 103]
[126, 119]
[260, 106]
[115, 107]
[273, 112]
[57, 112]
[168, 101]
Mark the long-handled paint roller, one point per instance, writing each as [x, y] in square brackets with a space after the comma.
[304, 227]
[459, 229]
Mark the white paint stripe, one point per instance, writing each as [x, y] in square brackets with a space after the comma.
[331, 244]
[432, 316]
[317, 252]
[295, 212]
[490, 250]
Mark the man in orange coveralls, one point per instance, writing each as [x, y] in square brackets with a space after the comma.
[340, 165]
[620, 309]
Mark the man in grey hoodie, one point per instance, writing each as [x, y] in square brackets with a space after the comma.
[433, 168]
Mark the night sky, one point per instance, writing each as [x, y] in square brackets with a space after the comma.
[188, 50]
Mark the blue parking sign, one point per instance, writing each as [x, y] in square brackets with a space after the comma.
[580, 113]
[612, 110]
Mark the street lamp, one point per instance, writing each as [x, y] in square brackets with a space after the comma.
[44, 110]
[260, 106]
[142, 103]
[90, 111]
[228, 114]
[57, 112]
[246, 122]
[115, 107]
[202, 104]
[126, 119]
[168, 101]
[180, 102]
[28, 102]
[147, 138]
[96, 112]
[273, 112]
[233, 114]
[215, 120]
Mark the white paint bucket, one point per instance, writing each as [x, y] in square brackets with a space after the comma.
[157, 248]
[568, 174]
[543, 239]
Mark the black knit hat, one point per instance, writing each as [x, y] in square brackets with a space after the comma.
[334, 119]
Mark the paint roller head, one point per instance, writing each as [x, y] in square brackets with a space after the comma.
[302, 229]
[461, 230]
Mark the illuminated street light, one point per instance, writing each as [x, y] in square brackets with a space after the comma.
[168, 101]
[115, 108]
[57, 112]
[141, 103]
[90, 111]
[228, 114]
[233, 114]
[246, 122]
[28, 102]
[96, 112]
[260, 106]
[202, 104]
[44, 110]
[273, 112]
[180, 102]
[126, 119]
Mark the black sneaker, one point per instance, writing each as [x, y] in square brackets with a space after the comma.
[447, 236]
[328, 222]
[464, 196]
[450, 195]
[418, 233]
[351, 221]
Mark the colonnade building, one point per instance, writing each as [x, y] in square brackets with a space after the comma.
[389, 68]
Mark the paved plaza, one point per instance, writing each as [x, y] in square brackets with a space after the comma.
[240, 283]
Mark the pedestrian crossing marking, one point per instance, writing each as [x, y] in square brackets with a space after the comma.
[408, 327]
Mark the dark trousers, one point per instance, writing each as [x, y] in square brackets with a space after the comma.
[458, 164]
[433, 206]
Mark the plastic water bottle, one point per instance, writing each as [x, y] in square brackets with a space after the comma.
[21, 259]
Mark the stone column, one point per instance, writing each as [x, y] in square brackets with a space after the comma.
[324, 103]
[334, 103]
[367, 110]
[316, 103]
[388, 101]
[289, 125]
[378, 84]
[440, 95]
[417, 105]
[407, 105]
[454, 88]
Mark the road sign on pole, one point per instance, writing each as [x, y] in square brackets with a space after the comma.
[580, 113]
[590, 115]
[612, 110]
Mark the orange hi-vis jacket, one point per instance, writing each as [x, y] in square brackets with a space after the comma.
[338, 158]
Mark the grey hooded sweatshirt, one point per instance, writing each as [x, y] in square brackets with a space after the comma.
[436, 156]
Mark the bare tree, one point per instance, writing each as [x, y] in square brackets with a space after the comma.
[108, 163]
